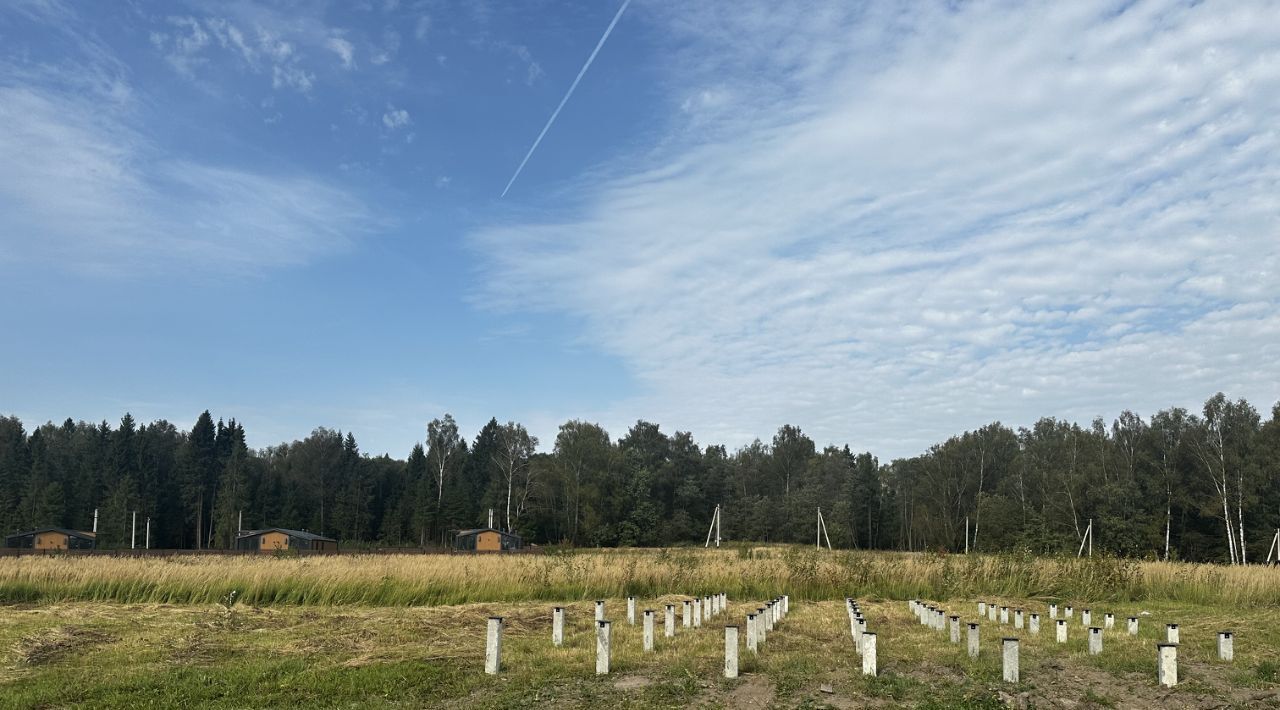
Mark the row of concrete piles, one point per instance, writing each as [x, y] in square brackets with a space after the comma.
[694, 612]
[864, 641]
[759, 625]
[936, 618]
[1166, 652]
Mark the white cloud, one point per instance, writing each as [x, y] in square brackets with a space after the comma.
[260, 40]
[86, 189]
[395, 118]
[184, 46]
[386, 51]
[345, 50]
[422, 27]
[532, 69]
[901, 223]
[291, 76]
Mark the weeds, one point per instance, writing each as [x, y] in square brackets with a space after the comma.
[407, 580]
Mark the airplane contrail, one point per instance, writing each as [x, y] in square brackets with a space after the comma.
[568, 93]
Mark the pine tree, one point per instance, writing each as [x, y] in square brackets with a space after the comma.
[199, 465]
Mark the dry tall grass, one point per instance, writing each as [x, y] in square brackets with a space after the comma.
[743, 572]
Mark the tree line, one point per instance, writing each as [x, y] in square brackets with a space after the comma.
[1176, 485]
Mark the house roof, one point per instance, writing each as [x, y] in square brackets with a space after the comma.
[291, 533]
[480, 530]
[64, 531]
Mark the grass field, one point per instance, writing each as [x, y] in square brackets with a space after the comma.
[744, 572]
[409, 632]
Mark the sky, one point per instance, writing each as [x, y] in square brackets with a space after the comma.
[883, 222]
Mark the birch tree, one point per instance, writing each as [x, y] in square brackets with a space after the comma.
[443, 445]
[1168, 431]
[1222, 447]
[515, 448]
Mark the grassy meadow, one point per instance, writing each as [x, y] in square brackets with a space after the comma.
[743, 572]
[408, 631]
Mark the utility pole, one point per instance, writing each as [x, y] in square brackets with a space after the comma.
[1086, 539]
[822, 531]
[95, 521]
[715, 528]
[148, 532]
[133, 532]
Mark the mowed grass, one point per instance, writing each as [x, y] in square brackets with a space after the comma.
[408, 631]
[112, 655]
[745, 572]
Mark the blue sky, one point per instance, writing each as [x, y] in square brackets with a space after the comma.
[883, 222]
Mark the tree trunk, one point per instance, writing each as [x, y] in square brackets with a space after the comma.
[511, 477]
[1226, 517]
[199, 518]
[1240, 512]
[1168, 518]
[982, 473]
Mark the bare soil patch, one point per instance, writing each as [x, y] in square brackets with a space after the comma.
[753, 692]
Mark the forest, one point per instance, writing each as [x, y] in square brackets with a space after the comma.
[1198, 486]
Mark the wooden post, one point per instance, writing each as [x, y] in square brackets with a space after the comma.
[868, 653]
[648, 630]
[557, 626]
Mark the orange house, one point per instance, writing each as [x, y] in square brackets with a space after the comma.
[486, 540]
[52, 539]
[281, 539]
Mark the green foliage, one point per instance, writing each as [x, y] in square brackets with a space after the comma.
[1267, 672]
[1014, 492]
